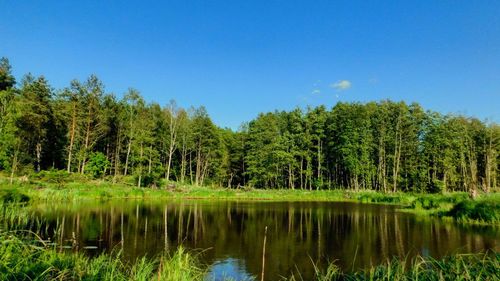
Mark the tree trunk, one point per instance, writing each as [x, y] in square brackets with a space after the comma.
[397, 154]
[150, 159]
[38, 149]
[183, 161]
[117, 155]
[490, 157]
[169, 162]
[140, 167]
[87, 141]
[127, 157]
[320, 180]
[301, 172]
[199, 163]
[173, 138]
[71, 138]
[14, 165]
[190, 168]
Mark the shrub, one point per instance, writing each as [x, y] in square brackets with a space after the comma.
[379, 198]
[97, 165]
[59, 177]
[13, 196]
[426, 203]
[437, 186]
[476, 211]
[149, 180]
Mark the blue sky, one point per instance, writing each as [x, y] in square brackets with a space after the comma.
[239, 58]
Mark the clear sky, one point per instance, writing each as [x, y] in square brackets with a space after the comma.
[239, 58]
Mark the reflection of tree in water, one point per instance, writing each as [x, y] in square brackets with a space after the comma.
[354, 235]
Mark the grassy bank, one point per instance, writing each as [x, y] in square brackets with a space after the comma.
[24, 256]
[457, 267]
[20, 260]
[485, 209]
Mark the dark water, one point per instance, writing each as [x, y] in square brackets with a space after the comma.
[231, 234]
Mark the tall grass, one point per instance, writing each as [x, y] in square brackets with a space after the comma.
[23, 259]
[25, 256]
[476, 212]
[456, 267]
[20, 260]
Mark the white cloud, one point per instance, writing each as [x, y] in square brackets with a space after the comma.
[341, 85]
[316, 92]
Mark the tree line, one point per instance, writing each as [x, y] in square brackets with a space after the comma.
[386, 146]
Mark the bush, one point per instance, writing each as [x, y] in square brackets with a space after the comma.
[476, 211]
[98, 164]
[379, 198]
[59, 177]
[426, 203]
[12, 196]
[437, 186]
[149, 180]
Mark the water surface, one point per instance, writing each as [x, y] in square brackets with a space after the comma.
[230, 234]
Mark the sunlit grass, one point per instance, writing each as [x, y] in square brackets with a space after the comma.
[453, 204]
[456, 267]
[22, 259]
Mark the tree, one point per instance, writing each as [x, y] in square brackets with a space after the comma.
[172, 114]
[185, 142]
[206, 140]
[97, 164]
[72, 98]
[35, 115]
[7, 80]
[92, 92]
[133, 103]
[386, 146]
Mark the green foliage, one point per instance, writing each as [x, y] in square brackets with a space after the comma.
[373, 197]
[426, 203]
[59, 177]
[456, 267]
[483, 211]
[21, 259]
[97, 165]
[13, 196]
[149, 180]
[23, 256]
[7, 80]
[437, 186]
[383, 146]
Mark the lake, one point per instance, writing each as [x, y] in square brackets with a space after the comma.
[229, 235]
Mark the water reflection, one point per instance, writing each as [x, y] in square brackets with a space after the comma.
[231, 233]
[229, 269]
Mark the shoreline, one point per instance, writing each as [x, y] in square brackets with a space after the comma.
[423, 204]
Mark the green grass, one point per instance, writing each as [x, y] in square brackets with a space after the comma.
[476, 212]
[457, 267]
[21, 259]
[24, 256]
[61, 187]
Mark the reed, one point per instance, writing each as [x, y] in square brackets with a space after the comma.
[21, 258]
[456, 267]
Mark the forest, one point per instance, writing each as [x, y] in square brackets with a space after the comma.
[384, 145]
